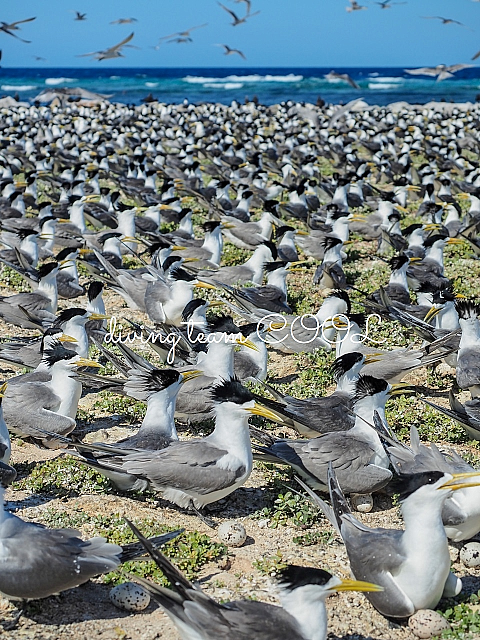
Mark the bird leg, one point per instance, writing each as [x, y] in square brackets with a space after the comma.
[205, 519]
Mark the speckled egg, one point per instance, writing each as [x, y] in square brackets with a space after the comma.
[232, 534]
[470, 554]
[130, 597]
[362, 503]
[426, 623]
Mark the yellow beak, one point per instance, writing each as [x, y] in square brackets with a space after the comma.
[190, 375]
[356, 585]
[83, 362]
[454, 484]
[431, 313]
[3, 389]
[98, 316]
[245, 342]
[258, 410]
[66, 338]
[204, 285]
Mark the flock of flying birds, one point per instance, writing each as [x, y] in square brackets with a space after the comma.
[441, 72]
[93, 186]
[115, 51]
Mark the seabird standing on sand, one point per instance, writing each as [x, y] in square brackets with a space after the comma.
[38, 562]
[413, 565]
[302, 615]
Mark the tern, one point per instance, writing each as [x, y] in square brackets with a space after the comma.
[47, 397]
[301, 616]
[38, 562]
[413, 565]
[228, 51]
[441, 71]
[112, 52]
[12, 26]
[236, 19]
[198, 472]
[333, 75]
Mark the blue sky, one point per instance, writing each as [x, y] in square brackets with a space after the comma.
[286, 33]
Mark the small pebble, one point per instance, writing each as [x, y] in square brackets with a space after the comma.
[426, 623]
[470, 554]
[130, 597]
[232, 534]
[454, 553]
[362, 503]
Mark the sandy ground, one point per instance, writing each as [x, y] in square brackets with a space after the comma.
[86, 613]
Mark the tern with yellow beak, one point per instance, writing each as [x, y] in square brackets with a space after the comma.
[38, 562]
[301, 616]
[47, 397]
[194, 473]
[357, 454]
[412, 565]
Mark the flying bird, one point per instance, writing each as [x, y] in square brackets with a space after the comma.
[39, 58]
[441, 71]
[236, 19]
[446, 21]
[124, 21]
[80, 16]
[8, 28]
[231, 52]
[387, 4]
[333, 75]
[355, 6]
[183, 36]
[111, 52]
[477, 55]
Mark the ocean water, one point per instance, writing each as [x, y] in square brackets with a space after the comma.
[378, 85]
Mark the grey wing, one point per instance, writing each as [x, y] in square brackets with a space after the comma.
[468, 368]
[349, 456]
[33, 404]
[194, 396]
[38, 562]
[323, 414]
[243, 620]
[472, 409]
[244, 367]
[187, 465]
[156, 295]
[268, 297]
[375, 556]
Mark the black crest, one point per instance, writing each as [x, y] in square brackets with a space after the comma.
[65, 253]
[467, 309]
[406, 484]
[46, 269]
[293, 577]
[57, 352]
[94, 290]
[343, 295]
[369, 386]
[191, 307]
[397, 262]
[231, 391]
[345, 363]
[210, 225]
[273, 266]
[69, 314]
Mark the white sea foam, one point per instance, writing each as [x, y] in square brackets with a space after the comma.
[382, 79]
[250, 78]
[382, 85]
[223, 85]
[151, 84]
[18, 87]
[55, 81]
